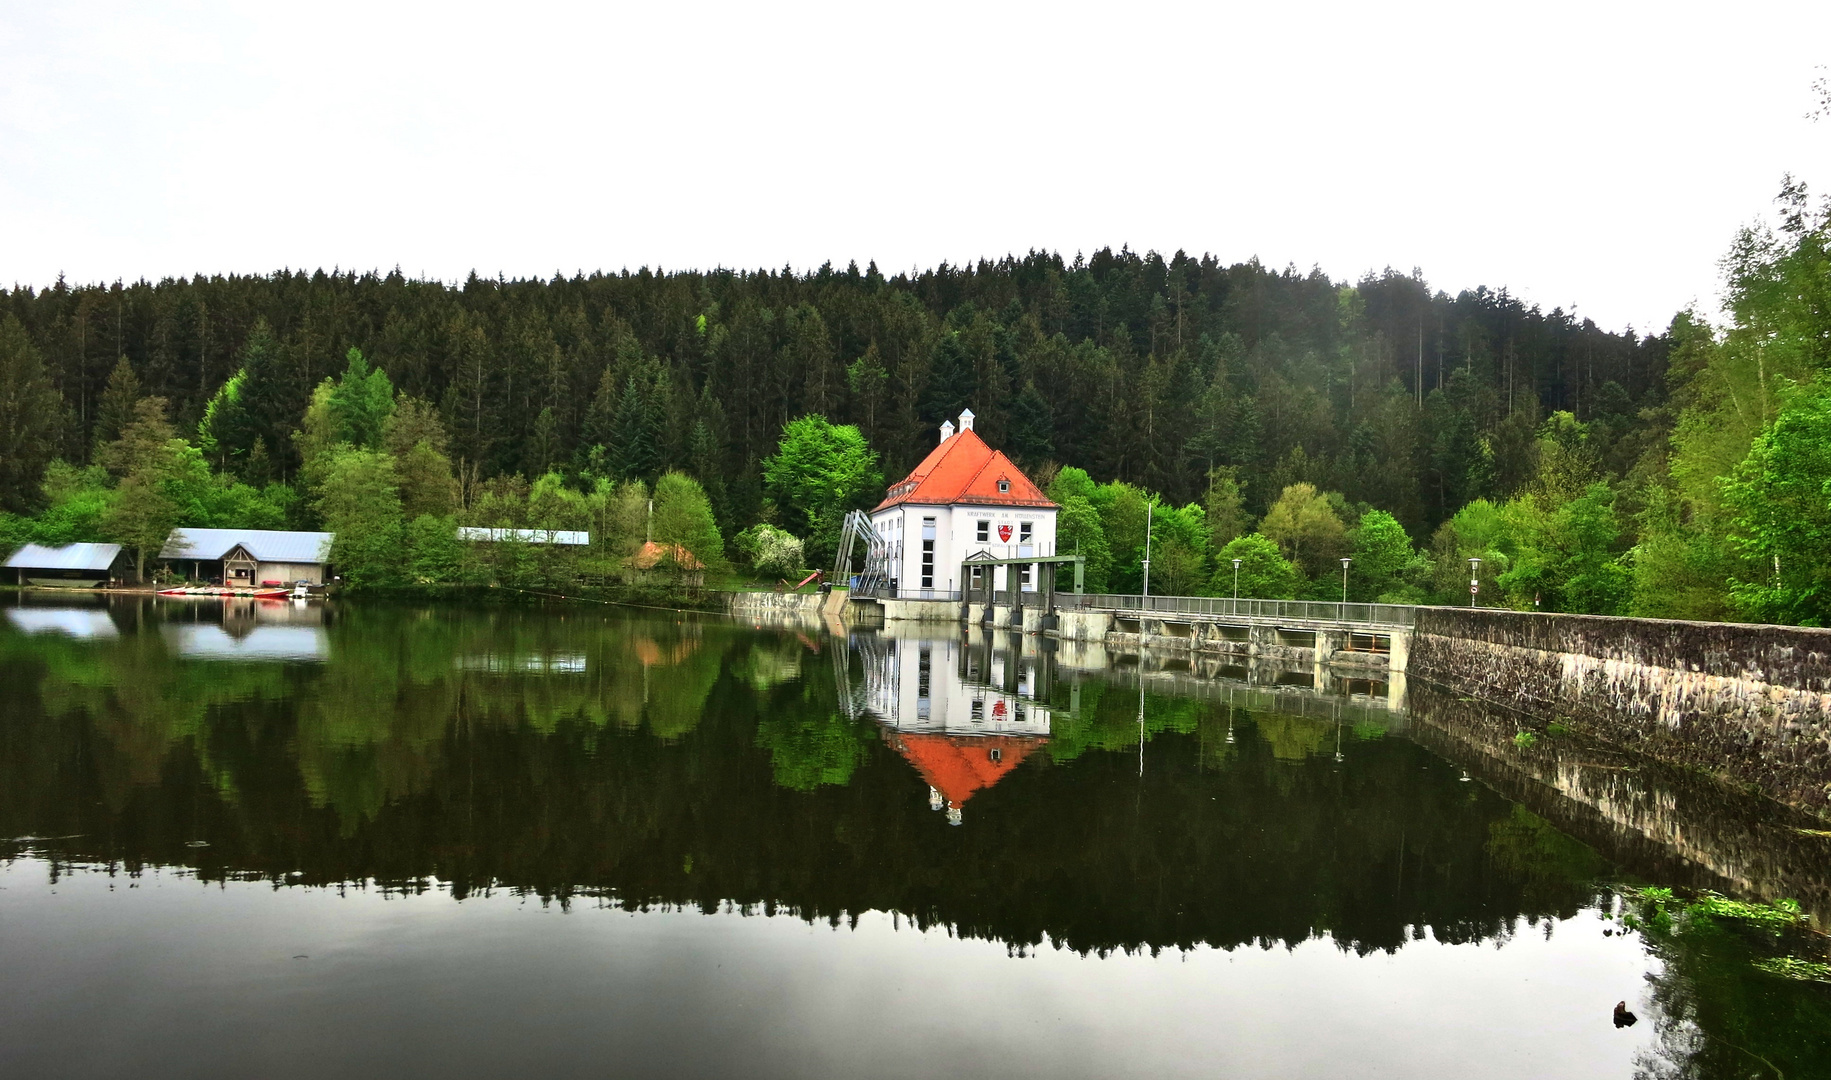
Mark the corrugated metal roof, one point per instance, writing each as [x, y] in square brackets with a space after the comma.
[526, 536]
[68, 557]
[264, 544]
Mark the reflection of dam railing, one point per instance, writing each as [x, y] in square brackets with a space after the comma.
[1344, 705]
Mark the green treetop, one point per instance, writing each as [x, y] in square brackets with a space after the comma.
[819, 472]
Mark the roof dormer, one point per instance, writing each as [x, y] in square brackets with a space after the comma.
[966, 419]
[947, 430]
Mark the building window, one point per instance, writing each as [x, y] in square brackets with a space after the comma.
[1023, 532]
[928, 553]
[983, 531]
[1004, 486]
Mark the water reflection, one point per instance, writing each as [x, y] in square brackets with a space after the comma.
[83, 624]
[1110, 803]
[963, 713]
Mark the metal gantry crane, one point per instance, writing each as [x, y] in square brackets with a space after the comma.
[874, 578]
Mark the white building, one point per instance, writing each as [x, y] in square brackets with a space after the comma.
[249, 556]
[965, 498]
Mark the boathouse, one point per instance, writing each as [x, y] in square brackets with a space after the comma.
[965, 499]
[71, 566]
[249, 557]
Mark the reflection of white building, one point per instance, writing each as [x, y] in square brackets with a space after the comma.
[964, 715]
[965, 498]
[265, 630]
[210, 641]
[84, 624]
[953, 687]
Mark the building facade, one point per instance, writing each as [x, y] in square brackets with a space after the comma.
[965, 498]
[249, 557]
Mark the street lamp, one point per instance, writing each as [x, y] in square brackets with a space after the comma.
[1474, 579]
[1149, 508]
[1236, 582]
[1344, 578]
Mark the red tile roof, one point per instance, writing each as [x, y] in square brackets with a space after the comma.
[964, 469]
[958, 766]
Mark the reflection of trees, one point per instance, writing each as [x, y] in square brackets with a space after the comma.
[1718, 1015]
[137, 700]
[770, 662]
[561, 754]
[1293, 738]
[369, 727]
[1544, 860]
[808, 749]
[1108, 719]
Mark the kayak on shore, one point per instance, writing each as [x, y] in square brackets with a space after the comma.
[221, 590]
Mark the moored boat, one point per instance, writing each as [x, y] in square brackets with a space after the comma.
[220, 590]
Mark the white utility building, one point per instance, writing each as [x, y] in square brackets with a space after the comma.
[964, 499]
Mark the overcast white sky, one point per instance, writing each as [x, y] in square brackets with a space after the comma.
[1590, 154]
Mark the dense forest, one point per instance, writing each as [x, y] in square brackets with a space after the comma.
[1274, 416]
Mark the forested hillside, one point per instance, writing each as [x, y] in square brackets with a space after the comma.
[1669, 474]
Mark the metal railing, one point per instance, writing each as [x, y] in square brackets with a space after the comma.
[891, 592]
[1227, 607]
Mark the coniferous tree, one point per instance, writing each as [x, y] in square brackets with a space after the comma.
[29, 409]
[115, 410]
[1032, 427]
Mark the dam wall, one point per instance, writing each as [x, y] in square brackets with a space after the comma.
[1748, 704]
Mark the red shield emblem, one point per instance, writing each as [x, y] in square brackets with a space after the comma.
[998, 709]
[1004, 533]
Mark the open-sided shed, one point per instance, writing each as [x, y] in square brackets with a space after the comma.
[71, 566]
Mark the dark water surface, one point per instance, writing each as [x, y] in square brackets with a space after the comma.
[290, 840]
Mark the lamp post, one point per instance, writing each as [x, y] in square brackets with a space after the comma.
[1148, 509]
[1344, 578]
[1474, 579]
[1236, 583]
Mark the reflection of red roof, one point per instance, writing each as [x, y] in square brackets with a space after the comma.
[959, 765]
[653, 553]
[965, 470]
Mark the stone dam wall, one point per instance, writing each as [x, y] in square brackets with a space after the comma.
[1749, 704]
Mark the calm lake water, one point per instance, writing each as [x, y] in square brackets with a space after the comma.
[288, 840]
